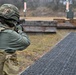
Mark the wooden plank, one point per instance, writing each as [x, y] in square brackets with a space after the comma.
[65, 25]
[40, 26]
[39, 29]
[59, 20]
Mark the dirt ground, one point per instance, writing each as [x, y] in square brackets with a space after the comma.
[42, 18]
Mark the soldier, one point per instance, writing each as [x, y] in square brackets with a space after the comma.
[10, 40]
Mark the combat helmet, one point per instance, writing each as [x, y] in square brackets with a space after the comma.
[9, 12]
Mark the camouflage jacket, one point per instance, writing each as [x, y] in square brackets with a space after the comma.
[11, 41]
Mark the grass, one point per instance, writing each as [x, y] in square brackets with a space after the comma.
[40, 44]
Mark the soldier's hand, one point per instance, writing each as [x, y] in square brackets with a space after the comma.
[18, 28]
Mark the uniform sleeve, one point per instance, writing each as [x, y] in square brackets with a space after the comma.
[18, 41]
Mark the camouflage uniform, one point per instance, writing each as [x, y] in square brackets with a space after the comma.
[10, 40]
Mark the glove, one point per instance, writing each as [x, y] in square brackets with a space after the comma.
[18, 28]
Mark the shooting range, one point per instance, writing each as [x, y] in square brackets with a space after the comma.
[51, 27]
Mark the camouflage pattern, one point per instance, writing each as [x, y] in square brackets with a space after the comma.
[18, 41]
[10, 41]
[8, 64]
[2, 60]
[11, 66]
[9, 11]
